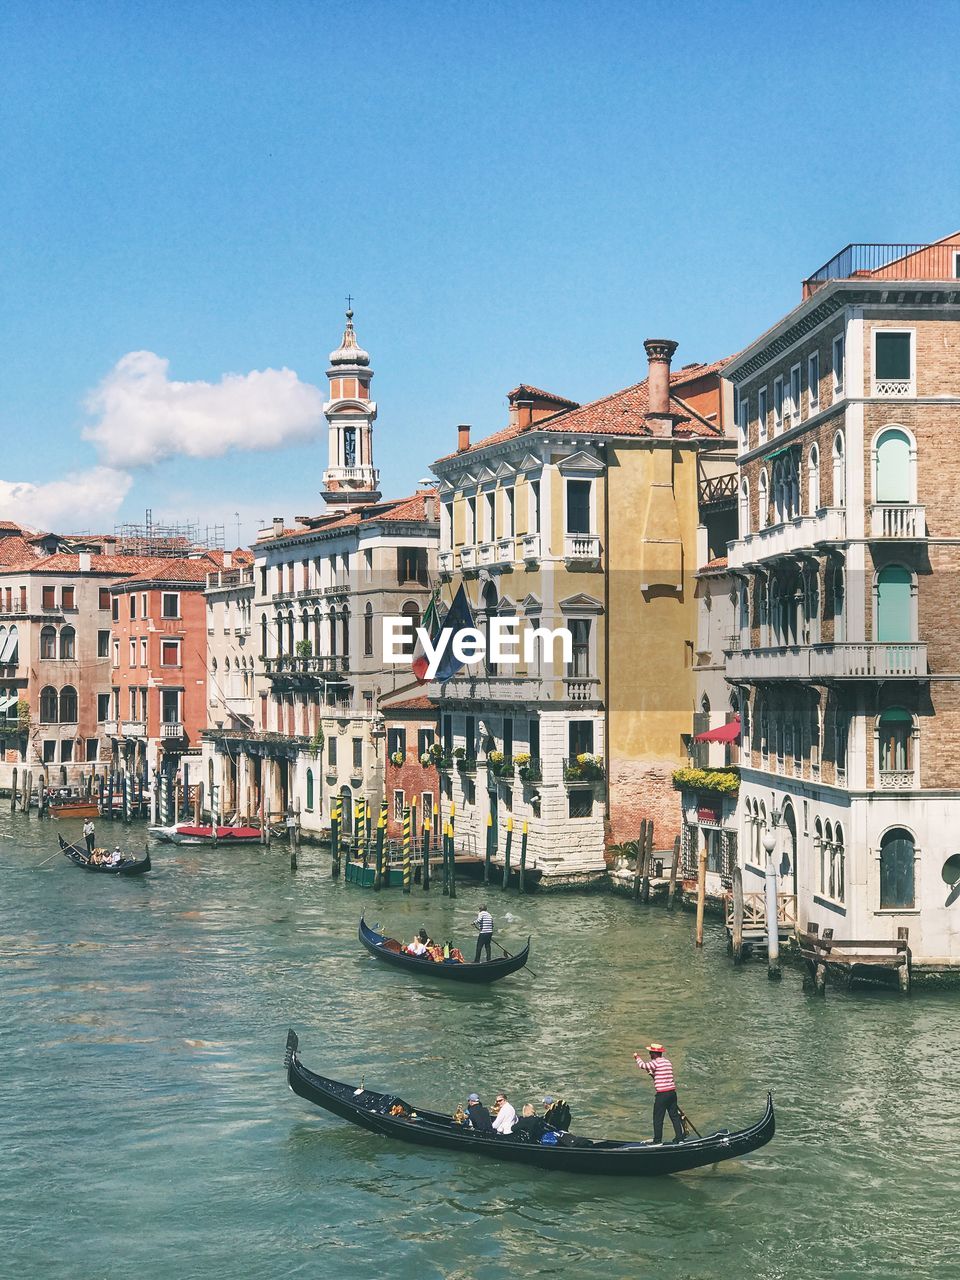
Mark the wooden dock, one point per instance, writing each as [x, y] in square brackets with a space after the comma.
[869, 958]
[755, 917]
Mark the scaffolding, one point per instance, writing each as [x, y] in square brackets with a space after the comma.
[151, 538]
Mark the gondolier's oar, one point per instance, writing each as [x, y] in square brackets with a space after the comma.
[508, 954]
[688, 1123]
[50, 859]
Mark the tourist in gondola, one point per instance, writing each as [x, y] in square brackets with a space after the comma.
[505, 1113]
[556, 1113]
[116, 857]
[660, 1068]
[530, 1127]
[478, 1114]
[89, 834]
[484, 925]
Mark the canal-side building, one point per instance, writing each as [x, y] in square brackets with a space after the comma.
[583, 517]
[158, 655]
[55, 674]
[322, 588]
[230, 657]
[845, 653]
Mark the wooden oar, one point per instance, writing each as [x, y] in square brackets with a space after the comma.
[508, 954]
[50, 859]
[688, 1123]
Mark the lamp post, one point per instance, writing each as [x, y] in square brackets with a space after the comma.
[773, 924]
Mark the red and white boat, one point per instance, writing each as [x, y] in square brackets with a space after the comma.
[184, 834]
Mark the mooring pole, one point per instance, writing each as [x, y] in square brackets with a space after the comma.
[647, 863]
[638, 870]
[453, 851]
[701, 892]
[489, 853]
[672, 886]
[335, 840]
[523, 858]
[506, 853]
[736, 935]
[770, 900]
[425, 875]
[406, 848]
[381, 833]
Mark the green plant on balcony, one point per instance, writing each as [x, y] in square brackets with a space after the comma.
[465, 763]
[303, 648]
[500, 766]
[723, 781]
[397, 758]
[459, 753]
[585, 767]
[527, 767]
[316, 742]
[435, 751]
[427, 758]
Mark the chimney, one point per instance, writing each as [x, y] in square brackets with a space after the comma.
[524, 414]
[84, 561]
[659, 353]
[463, 437]
[228, 559]
[278, 526]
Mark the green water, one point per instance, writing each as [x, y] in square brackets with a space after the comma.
[147, 1130]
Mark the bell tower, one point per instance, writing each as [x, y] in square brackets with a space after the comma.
[350, 479]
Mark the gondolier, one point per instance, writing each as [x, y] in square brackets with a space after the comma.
[484, 925]
[665, 1091]
[89, 834]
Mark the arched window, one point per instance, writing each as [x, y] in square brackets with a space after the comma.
[839, 600]
[778, 511]
[894, 590]
[837, 870]
[763, 509]
[897, 855]
[68, 642]
[839, 471]
[745, 725]
[263, 635]
[68, 705]
[317, 644]
[345, 631]
[305, 626]
[48, 705]
[892, 469]
[744, 508]
[48, 642]
[489, 613]
[819, 849]
[332, 620]
[368, 631]
[291, 625]
[705, 705]
[895, 732]
[279, 629]
[813, 480]
[309, 789]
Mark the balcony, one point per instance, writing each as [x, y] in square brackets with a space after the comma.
[826, 662]
[530, 546]
[445, 562]
[303, 666]
[172, 731]
[897, 780]
[585, 767]
[486, 554]
[468, 558]
[894, 388]
[486, 688]
[111, 728]
[134, 728]
[503, 551]
[898, 520]
[582, 549]
[581, 689]
[335, 589]
[886, 262]
[828, 525]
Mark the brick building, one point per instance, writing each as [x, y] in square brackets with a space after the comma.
[845, 652]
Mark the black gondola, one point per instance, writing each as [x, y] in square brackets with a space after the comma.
[390, 1116]
[392, 952]
[77, 853]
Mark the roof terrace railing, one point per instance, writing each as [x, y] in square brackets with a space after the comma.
[939, 261]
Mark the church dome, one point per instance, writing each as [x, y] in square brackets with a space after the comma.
[349, 352]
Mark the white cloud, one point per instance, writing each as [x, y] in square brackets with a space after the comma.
[143, 416]
[83, 500]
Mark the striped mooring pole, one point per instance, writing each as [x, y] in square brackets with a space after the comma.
[406, 849]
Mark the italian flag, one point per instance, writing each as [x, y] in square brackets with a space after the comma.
[430, 622]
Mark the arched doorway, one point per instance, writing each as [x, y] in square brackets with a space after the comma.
[897, 880]
[787, 866]
[894, 605]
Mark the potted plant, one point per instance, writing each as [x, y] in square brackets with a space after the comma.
[303, 648]
[396, 758]
[527, 767]
[426, 759]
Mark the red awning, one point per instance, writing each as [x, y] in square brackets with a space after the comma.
[729, 732]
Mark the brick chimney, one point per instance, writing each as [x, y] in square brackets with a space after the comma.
[463, 437]
[278, 526]
[659, 354]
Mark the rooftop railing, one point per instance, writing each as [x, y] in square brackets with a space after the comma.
[888, 262]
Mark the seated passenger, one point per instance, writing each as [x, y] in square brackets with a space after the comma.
[417, 948]
[460, 1116]
[530, 1127]
[556, 1113]
[479, 1115]
[506, 1116]
[116, 857]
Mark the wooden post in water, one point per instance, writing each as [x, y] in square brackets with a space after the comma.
[197, 804]
[425, 874]
[43, 800]
[335, 840]
[506, 853]
[445, 858]
[453, 851]
[903, 935]
[701, 892]
[736, 935]
[672, 886]
[13, 791]
[820, 972]
[647, 864]
[27, 790]
[772, 908]
[293, 834]
[406, 848]
[488, 856]
[381, 834]
[125, 796]
[110, 796]
[638, 870]
[413, 837]
[183, 808]
[523, 858]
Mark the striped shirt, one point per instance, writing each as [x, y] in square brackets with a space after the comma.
[662, 1071]
[484, 922]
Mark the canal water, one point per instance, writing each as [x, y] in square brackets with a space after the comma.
[146, 1128]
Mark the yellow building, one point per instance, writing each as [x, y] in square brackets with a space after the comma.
[593, 518]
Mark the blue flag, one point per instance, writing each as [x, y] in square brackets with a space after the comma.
[458, 618]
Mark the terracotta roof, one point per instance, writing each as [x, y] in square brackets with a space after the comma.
[419, 703]
[525, 389]
[69, 562]
[623, 413]
[174, 569]
[412, 509]
[17, 553]
[718, 562]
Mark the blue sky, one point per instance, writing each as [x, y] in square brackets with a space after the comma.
[511, 193]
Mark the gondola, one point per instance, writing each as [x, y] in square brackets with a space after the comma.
[77, 853]
[391, 1117]
[392, 952]
[204, 835]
